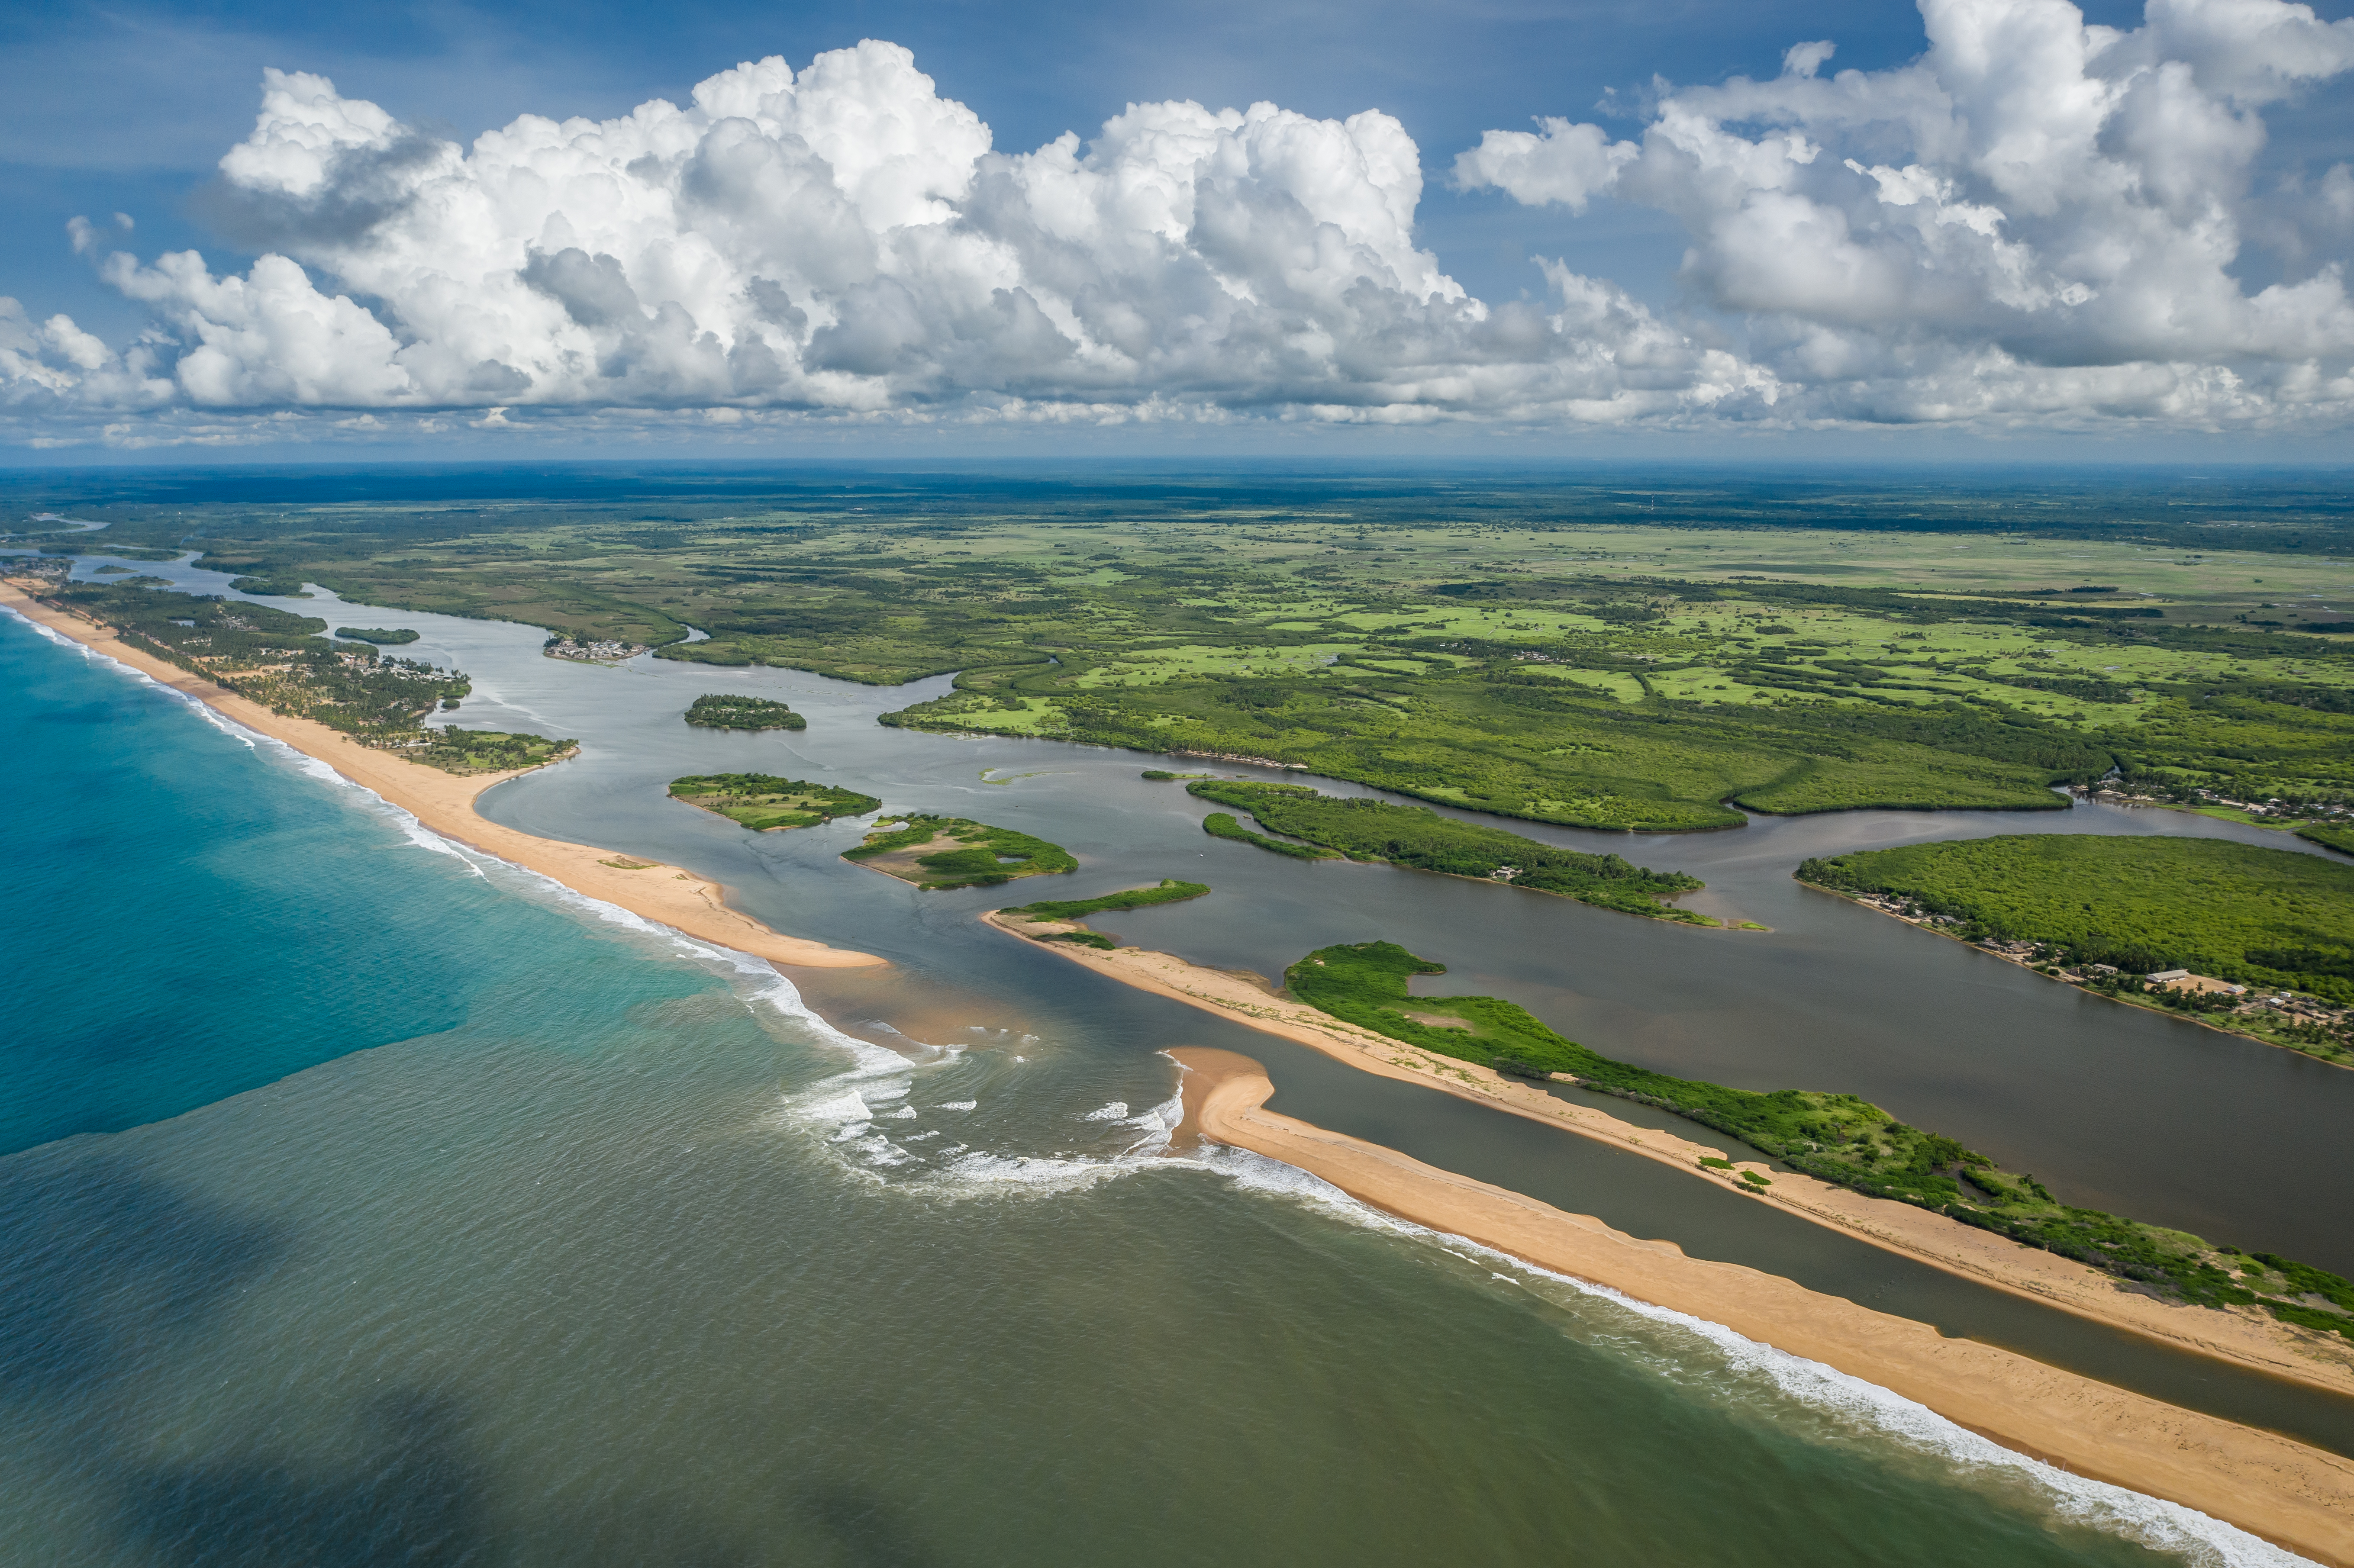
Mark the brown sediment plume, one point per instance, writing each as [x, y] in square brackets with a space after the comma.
[2295, 1496]
[2246, 1337]
[444, 803]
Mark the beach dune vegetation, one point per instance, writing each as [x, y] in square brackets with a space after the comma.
[1169, 891]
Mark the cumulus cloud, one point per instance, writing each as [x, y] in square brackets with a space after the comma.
[2037, 214]
[845, 241]
[2038, 221]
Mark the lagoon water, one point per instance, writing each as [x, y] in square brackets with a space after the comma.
[372, 1201]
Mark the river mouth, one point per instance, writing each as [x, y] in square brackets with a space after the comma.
[2111, 1106]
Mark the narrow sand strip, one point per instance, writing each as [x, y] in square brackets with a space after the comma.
[2251, 1339]
[2297, 1496]
[444, 803]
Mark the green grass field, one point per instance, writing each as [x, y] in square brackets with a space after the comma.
[2238, 912]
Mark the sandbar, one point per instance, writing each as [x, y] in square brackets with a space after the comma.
[2295, 1496]
[444, 803]
[2246, 1337]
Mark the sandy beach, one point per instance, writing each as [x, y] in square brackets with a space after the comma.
[2251, 1340]
[444, 803]
[2297, 1497]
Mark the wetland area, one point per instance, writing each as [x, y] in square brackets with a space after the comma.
[2109, 1107]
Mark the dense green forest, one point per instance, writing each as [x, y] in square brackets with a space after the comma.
[2238, 912]
[381, 636]
[1833, 1137]
[762, 801]
[1419, 837]
[974, 855]
[719, 710]
[1661, 657]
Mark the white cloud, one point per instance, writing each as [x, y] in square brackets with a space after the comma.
[2038, 223]
[842, 242]
[2037, 217]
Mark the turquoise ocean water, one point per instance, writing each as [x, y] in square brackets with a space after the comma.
[370, 1202]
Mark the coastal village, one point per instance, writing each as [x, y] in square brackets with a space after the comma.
[592, 652]
[2262, 1015]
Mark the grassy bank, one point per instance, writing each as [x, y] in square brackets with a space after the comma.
[1836, 1138]
[1418, 837]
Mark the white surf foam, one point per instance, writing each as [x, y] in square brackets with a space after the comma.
[2149, 1522]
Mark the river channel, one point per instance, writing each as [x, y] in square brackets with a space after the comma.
[2111, 1106]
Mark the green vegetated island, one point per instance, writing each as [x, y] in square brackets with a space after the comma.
[286, 664]
[382, 637]
[2107, 913]
[1415, 836]
[1071, 911]
[1835, 1138]
[719, 710]
[2329, 835]
[936, 853]
[764, 802]
[1661, 656]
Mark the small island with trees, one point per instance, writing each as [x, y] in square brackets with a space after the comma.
[1835, 1138]
[383, 637]
[763, 802]
[720, 710]
[939, 853]
[2254, 940]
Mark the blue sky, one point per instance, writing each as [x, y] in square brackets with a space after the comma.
[129, 109]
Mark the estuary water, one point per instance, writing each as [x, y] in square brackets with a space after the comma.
[375, 1201]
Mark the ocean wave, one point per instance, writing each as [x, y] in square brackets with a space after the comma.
[2148, 1522]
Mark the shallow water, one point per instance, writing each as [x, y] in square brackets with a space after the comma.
[625, 1256]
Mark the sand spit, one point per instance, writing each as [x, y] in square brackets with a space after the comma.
[444, 803]
[2295, 1496]
[2251, 1340]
